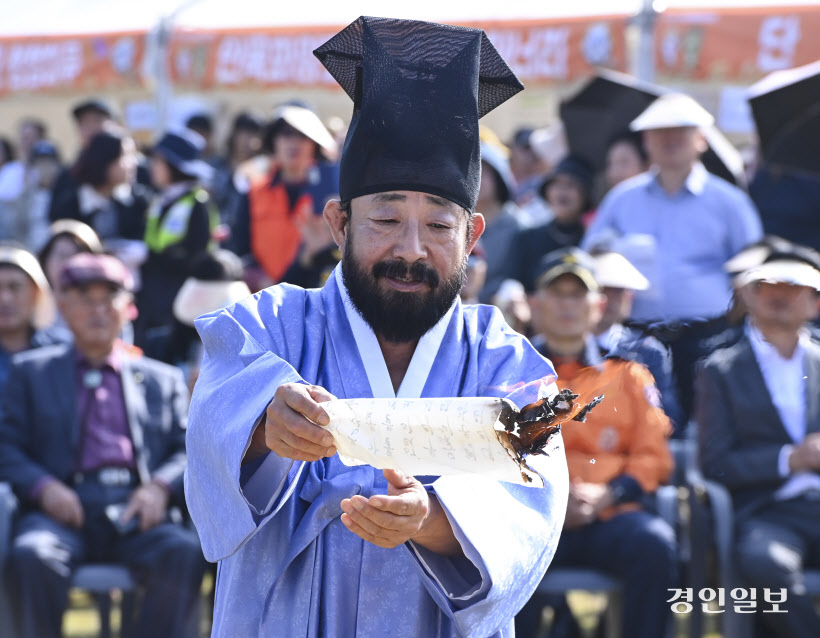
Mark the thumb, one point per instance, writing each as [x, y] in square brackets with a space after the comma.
[398, 479]
[131, 509]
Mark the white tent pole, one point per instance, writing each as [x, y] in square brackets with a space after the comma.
[645, 59]
[165, 84]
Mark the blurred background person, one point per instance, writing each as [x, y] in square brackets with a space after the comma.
[500, 213]
[619, 457]
[90, 117]
[179, 228]
[678, 224]
[12, 183]
[692, 341]
[109, 199]
[26, 306]
[98, 467]
[619, 280]
[528, 169]
[231, 182]
[67, 237]
[625, 158]
[536, 153]
[286, 204]
[511, 300]
[216, 282]
[568, 192]
[45, 167]
[759, 435]
[202, 124]
[31, 131]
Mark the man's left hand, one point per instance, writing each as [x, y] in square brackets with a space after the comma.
[406, 512]
[150, 503]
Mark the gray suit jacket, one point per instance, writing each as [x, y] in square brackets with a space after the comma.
[740, 433]
[40, 429]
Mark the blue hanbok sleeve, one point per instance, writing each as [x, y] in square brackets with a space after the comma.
[239, 377]
[508, 532]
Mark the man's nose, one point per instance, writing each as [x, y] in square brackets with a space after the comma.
[409, 244]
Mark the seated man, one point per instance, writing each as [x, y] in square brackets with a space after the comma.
[619, 280]
[759, 433]
[615, 458]
[92, 440]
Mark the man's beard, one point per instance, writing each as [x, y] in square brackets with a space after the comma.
[399, 317]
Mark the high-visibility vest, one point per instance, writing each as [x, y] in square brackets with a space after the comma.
[167, 226]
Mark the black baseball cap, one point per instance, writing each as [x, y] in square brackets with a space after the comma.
[573, 261]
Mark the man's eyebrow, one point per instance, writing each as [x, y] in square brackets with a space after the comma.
[389, 197]
[441, 201]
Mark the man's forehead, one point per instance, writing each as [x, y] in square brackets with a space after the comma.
[13, 272]
[408, 196]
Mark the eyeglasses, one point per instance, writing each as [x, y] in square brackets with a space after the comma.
[112, 298]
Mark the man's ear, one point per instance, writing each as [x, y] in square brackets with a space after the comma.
[336, 218]
[478, 230]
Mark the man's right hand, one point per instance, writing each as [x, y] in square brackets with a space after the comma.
[805, 457]
[62, 504]
[289, 427]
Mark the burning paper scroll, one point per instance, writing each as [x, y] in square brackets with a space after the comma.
[446, 436]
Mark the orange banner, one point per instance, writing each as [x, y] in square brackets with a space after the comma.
[538, 52]
[70, 63]
[740, 45]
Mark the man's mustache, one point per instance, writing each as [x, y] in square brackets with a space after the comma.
[399, 269]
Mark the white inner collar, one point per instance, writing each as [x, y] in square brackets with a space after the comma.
[371, 353]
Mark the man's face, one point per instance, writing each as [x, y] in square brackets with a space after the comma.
[566, 198]
[90, 123]
[29, 136]
[246, 144]
[293, 150]
[674, 148]
[95, 313]
[404, 259]
[524, 162]
[18, 298]
[781, 305]
[566, 308]
[622, 162]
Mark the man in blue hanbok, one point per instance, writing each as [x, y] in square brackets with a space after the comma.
[306, 545]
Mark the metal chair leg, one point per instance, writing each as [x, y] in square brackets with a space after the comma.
[104, 607]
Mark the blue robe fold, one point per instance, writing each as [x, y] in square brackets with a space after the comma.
[287, 564]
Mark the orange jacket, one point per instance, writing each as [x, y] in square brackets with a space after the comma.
[626, 434]
[274, 230]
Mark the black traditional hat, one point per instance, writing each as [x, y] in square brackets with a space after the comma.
[418, 91]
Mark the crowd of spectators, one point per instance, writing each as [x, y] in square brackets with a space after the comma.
[664, 294]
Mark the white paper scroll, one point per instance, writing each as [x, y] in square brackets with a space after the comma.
[425, 436]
